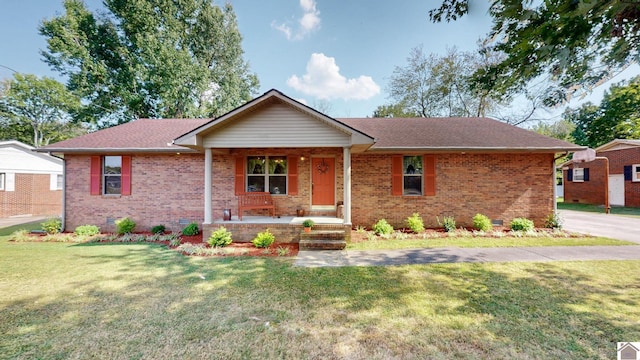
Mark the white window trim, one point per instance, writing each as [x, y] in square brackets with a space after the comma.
[3, 176]
[53, 182]
[103, 179]
[575, 175]
[9, 182]
[266, 174]
[635, 175]
[421, 175]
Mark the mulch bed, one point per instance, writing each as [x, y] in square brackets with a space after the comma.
[250, 249]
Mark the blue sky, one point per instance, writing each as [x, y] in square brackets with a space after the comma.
[332, 53]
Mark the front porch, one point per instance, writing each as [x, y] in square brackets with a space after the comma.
[327, 232]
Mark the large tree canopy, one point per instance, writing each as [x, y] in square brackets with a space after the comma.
[617, 117]
[150, 58]
[577, 43]
[36, 110]
[434, 85]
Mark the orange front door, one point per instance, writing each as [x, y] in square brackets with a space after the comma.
[323, 177]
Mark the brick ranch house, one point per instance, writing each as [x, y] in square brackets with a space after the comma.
[176, 170]
[30, 183]
[585, 182]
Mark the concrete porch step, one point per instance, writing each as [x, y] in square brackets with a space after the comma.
[323, 240]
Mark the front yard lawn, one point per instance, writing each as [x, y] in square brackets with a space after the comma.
[61, 300]
[616, 210]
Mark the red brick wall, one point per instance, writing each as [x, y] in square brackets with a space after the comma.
[587, 192]
[164, 189]
[617, 160]
[592, 191]
[501, 186]
[223, 180]
[32, 195]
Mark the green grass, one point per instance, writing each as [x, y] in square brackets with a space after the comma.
[616, 210]
[142, 301]
[479, 242]
[36, 225]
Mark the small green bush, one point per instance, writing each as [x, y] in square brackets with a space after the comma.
[20, 236]
[125, 226]
[191, 229]
[553, 221]
[87, 230]
[52, 226]
[263, 239]
[158, 229]
[482, 223]
[282, 251]
[382, 227]
[415, 223]
[448, 223]
[221, 237]
[308, 223]
[521, 224]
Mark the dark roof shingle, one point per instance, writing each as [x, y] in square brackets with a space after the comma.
[441, 134]
[154, 135]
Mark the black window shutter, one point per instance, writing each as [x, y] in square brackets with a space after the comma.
[586, 174]
[570, 175]
[628, 173]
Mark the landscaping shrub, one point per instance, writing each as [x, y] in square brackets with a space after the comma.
[158, 229]
[382, 227]
[415, 223]
[282, 251]
[191, 229]
[553, 221]
[263, 239]
[125, 225]
[482, 223]
[220, 237]
[448, 223]
[20, 236]
[521, 224]
[87, 230]
[52, 226]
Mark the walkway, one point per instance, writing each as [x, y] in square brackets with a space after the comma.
[17, 220]
[332, 258]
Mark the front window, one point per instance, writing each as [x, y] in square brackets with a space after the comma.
[578, 174]
[635, 172]
[267, 173]
[112, 175]
[2, 179]
[58, 181]
[412, 175]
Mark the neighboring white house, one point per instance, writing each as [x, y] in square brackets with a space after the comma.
[30, 183]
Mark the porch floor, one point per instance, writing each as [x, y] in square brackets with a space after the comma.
[291, 220]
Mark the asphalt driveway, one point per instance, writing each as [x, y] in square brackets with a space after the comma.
[607, 225]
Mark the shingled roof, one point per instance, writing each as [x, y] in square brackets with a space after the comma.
[142, 135]
[457, 134]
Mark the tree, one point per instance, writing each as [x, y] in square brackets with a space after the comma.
[582, 118]
[562, 129]
[577, 44]
[149, 58]
[432, 85]
[617, 117]
[393, 111]
[37, 111]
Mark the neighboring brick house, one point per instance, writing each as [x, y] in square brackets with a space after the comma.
[585, 182]
[165, 171]
[30, 182]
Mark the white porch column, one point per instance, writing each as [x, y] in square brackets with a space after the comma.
[346, 157]
[208, 213]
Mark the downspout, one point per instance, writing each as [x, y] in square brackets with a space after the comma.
[64, 191]
[555, 186]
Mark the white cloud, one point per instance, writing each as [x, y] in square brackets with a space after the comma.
[324, 81]
[308, 23]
